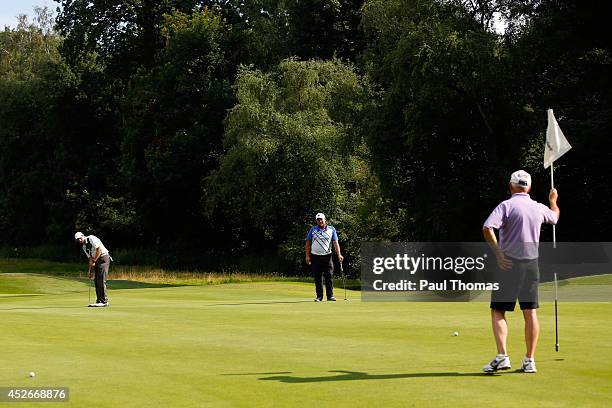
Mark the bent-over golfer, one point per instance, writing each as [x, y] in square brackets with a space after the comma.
[319, 243]
[518, 220]
[99, 262]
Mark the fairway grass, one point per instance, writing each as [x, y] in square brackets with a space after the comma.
[268, 344]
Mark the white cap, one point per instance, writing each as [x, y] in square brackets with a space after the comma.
[319, 215]
[521, 178]
[79, 235]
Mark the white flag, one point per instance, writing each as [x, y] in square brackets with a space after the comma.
[556, 144]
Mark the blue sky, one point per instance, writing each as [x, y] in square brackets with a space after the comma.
[9, 9]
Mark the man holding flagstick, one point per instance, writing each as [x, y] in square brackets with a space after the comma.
[518, 220]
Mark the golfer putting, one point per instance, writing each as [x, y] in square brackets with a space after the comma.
[99, 263]
[318, 248]
[518, 220]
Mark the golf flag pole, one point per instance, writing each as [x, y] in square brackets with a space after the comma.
[556, 145]
[552, 185]
[556, 318]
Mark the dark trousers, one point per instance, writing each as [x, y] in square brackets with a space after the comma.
[322, 266]
[101, 273]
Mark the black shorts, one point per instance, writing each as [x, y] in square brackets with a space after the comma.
[520, 282]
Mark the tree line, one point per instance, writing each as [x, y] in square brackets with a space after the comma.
[206, 132]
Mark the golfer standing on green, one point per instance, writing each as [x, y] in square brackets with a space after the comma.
[518, 220]
[319, 254]
[99, 261]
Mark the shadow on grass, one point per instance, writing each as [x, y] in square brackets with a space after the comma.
[18, 295]
[42, 307]
[359, 376]
[278, 372]
[126, 284]
[261, 303]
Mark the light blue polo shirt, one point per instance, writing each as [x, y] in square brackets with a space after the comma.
[321, 239]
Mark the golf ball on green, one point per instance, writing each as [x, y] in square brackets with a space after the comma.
[32, 374]
[455, 334]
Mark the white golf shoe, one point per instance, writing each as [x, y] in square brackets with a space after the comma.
[500, 362]
[529, 365]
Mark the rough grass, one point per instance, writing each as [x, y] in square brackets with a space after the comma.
[145, 274]
[159, 275]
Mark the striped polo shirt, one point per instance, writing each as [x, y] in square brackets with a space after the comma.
[321, 239]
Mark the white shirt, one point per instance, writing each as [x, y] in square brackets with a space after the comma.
[92, 243]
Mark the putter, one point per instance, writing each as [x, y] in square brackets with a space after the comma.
[89, 286]
[343, 281]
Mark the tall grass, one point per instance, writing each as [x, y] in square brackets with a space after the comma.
[272, 264]
[149, 274]
[140, 273]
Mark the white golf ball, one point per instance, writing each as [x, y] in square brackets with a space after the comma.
[455, 334]
[32, 374]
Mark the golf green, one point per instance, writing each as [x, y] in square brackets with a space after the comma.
[269, 344]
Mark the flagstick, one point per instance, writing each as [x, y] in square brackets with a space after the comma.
[557, 145]
[552, 184]
[556, 318]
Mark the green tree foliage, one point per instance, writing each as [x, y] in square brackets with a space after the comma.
[28, 48]
[440, 134]
[56, 157]
[173, 117]
[33, 172]
[324, 28]
[276, 29]
[123, 34]
[293, 149]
